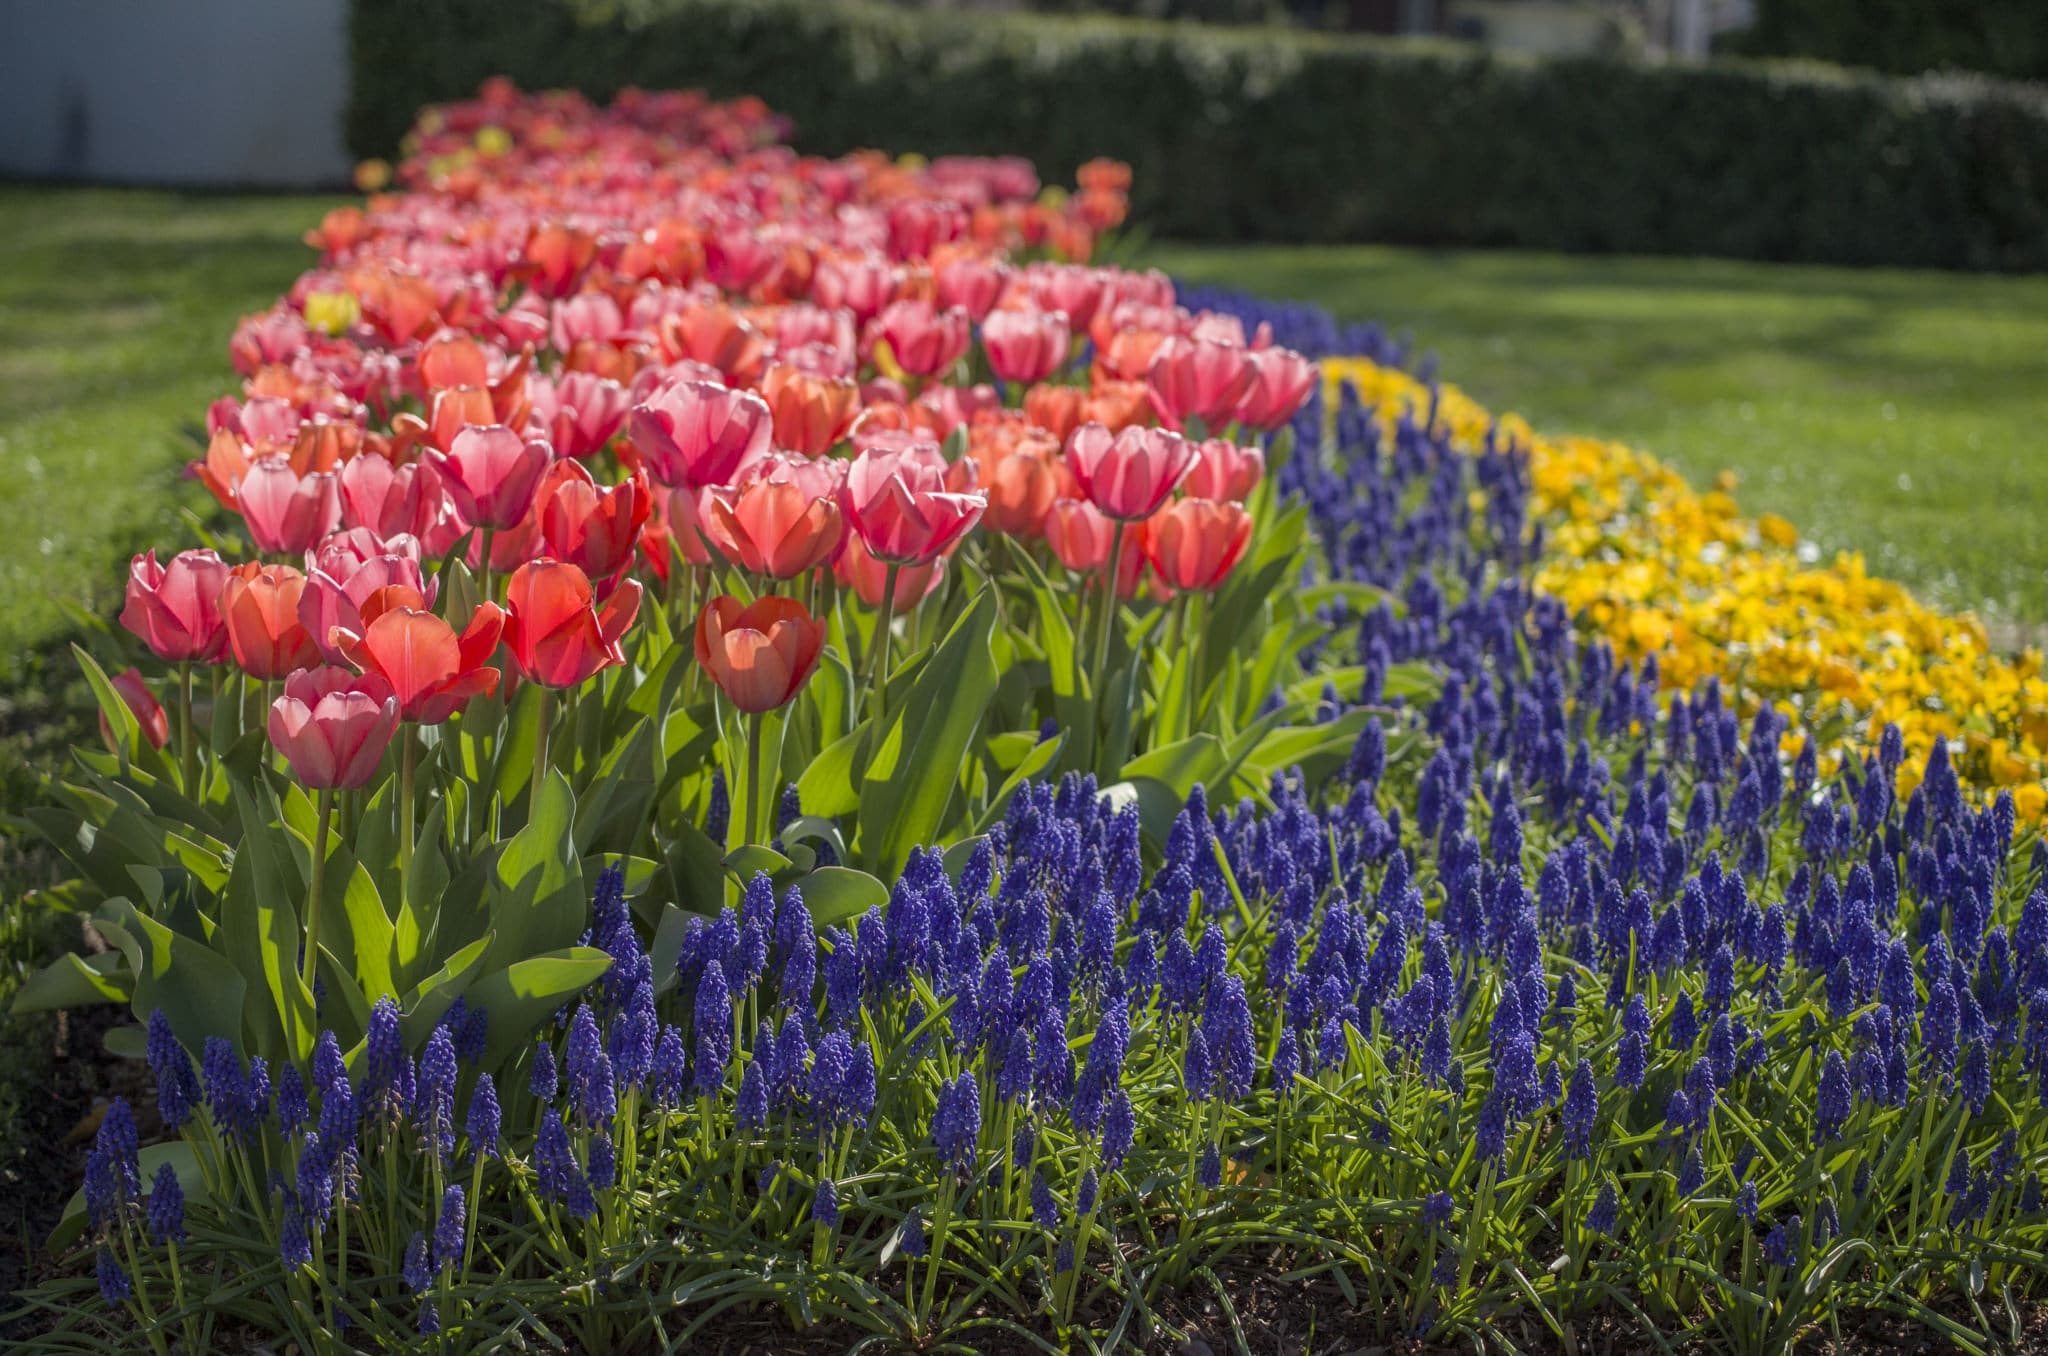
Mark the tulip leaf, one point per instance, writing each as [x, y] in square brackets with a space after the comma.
[697, 868]
[430, 999]
[1041, 755]
[1157, 804]
[538, 901]
[667, 947]
[184, 1162]
[519, 996]
[955, 857]
[1182, 766]
[261, 931]
[130, 747]
[915, 772]
[1318, 750]
[835, 894]
[199, 990]
[828, 785]
[74, 981]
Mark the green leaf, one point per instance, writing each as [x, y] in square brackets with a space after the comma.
[519, 996]
[538, 899]
[913, 776]
[199, 990]
[749, 859]
[834, 894]
[697, 868]
[827, 787]
[1181, 766]
[74, 981]
[1041, 755]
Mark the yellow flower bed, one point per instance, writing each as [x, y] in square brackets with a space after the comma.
[1660, 568]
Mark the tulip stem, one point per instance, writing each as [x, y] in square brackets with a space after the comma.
[878, 662]
[325, 800]
[188, 751]
[754, 723]
[1108, 618]
[487, 566]
[540, 746]
[407, 755]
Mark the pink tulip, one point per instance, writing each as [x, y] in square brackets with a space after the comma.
[345, 571]
[1282, 381]
[333, 726]
[898, 504]
[175, 608]
[1080, 537]
[1025, 346]
[389, 500]
[1198, 379]
[973, 283]
[862, 284]
[284, 510]
[1072, 288]
[867, 577]
[952, 406]
[698, 433]
[579, 413]
[142, 703]
[585, 317]
[1130, 474]
[1224, 471]
[923, 340]
[492, 474]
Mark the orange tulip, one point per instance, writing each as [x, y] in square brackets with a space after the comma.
[260, 604]
[812, 412]
[1022, 489]
[433, 671]
[776, 528]
[1056, 409]
[867, 577]
[557, 634]
[589, 525]
[760, 656]
[1195, 543]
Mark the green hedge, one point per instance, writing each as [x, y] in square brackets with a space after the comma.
[1271, 134]
[1998, 37]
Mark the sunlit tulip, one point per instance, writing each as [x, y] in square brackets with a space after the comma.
[811, 413]
[392, 500]
[587, 317]
[175, 608]
[760, 655]
[453, 359]
[716, 335]
[898, 503]
[698, 433]
[867, 577]
[775, 528]
[1195, 543]
[260, 604]
[1128, 475]
[333, 726]
[285, 511]
[1198, 379]
[142, 703]
[579, 413]
[923, 340]
[1282, 382]
[345, 570]
[432, 671]
[492, 474]
[1079, 535]
[973, 283]
[556, 633]
[1225, 471]
[1022, 488]
[593, 527]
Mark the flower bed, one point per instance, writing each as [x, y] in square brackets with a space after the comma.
[1121, 810]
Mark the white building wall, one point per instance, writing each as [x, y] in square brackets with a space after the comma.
[220, 92]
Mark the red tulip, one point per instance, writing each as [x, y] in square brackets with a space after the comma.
[286, 511]
[148, 711]
[431, 670]
[867, 577]
[1198, 378]
[579, 413]
[775, 528]
[897, 501]
[260, 604]
[592, 527]
[811, 412]
[557, 635]
[1282, 381]
[760, 656]
[1225, 471]
[1195, 543]
[698, 433]
[1130, 474]
[1080, 537]
[333, 726]
[175, 608]
[923, 340]
[492, 474]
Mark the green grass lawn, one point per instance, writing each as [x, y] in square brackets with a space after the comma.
[1900, 414]
[115, 312]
